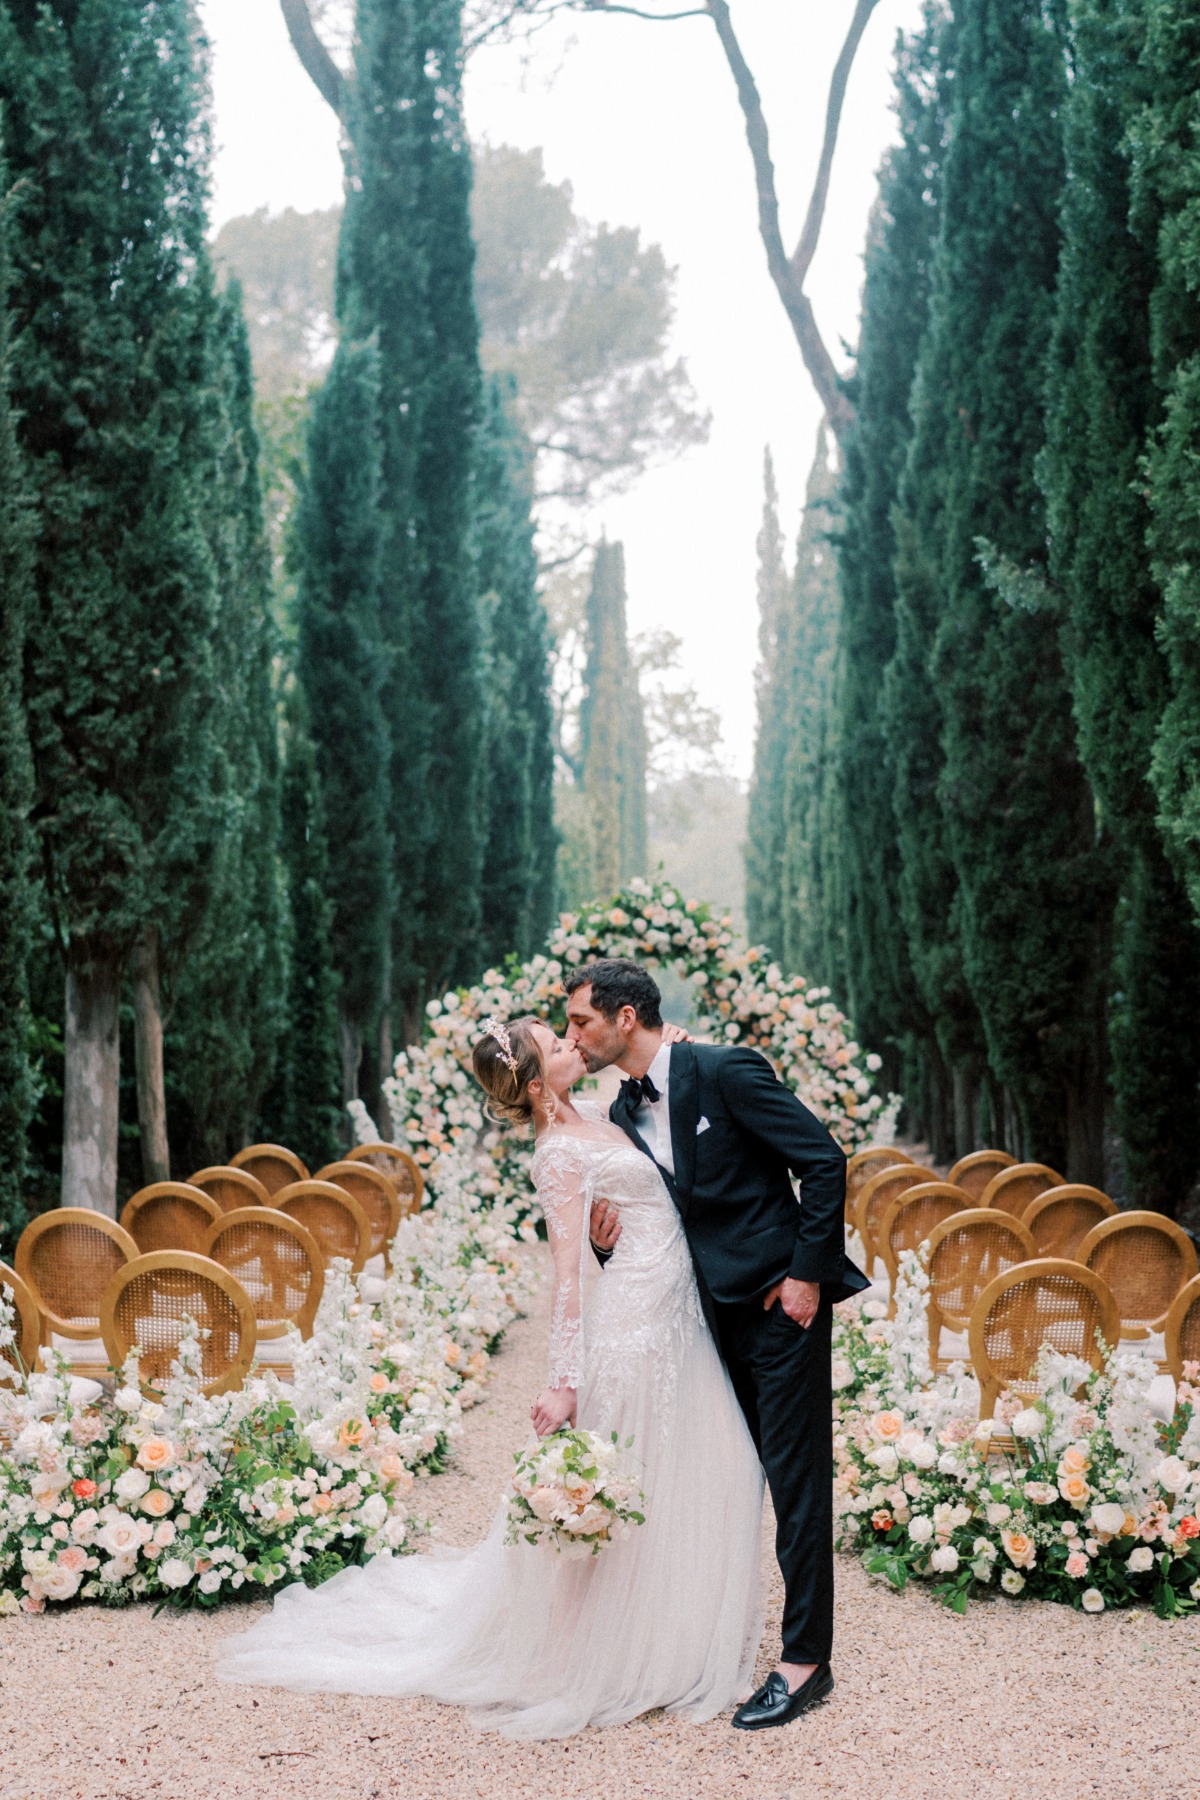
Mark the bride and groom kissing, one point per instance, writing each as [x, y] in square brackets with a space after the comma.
[705, 1339]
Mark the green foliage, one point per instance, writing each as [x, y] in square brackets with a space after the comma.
[285, 265]
[765, 822]
[610, 844]
[16, 899]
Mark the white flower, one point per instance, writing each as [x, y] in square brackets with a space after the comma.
[1092, 1600]
[127, 1400]
[210, 1581]
[120, 1536]
[1108, 1518]
[885, 1460]
[841, 1374]
[1012, 1581]
[59, 1583]
[997, 1512]
[1140, 1559]
[1173, 1474]
[1030, 1422]
[131, 1485]
[920, 1529]
[373, 1512]
[173, 1572]
[944, 1559]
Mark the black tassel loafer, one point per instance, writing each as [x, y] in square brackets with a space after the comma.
[774, 1705]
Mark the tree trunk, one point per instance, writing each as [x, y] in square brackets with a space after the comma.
[964, 1111]
[350, 1049]
[92, 1050]
[1085, 1125]
[383, 1112]
[148, 1050]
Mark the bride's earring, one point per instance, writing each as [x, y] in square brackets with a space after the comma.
[551, 1107]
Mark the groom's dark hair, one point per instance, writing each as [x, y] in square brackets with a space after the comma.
[616, 982]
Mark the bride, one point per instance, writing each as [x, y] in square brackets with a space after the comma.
[534, 1644]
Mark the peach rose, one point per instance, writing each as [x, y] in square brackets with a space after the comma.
[1074, 1460]
[73, 1557]
[1077, 1564]
[157, 1503]
[379, 1382]
[1074, 1490]
[156, 1454]
[322, 1503]
[887, 1427]
[1019, 1548]
[351, 1434]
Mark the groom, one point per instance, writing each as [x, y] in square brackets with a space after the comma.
[725, 1132]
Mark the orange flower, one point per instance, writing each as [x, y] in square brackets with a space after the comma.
[156, 1453]
[83, 1489]
[881, 1521]
[1189, 1527]
[351, 1434]
[321, 1503]
[379, 1382]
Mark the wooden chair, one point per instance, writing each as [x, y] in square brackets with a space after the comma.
[169, 1215]
[271, 1164]
[68, 1257]
[972, 1173]
[21, 1354]
[404, 1170]
[376, 1194]
[278, 1263]
[1013, 1189]
[333, 1216]
[147, 1302]
[231, 1188]
[1047, 1301]
[1145, 1259]
[1061, 1218]
[876, 1195]
[966, 1252]
[865, 1163]
[910, 1218]
[1182, 1330]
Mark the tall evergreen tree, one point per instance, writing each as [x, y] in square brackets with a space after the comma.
[882, 993]
[1102, 400]
[612, 730]
[112, 303]
[765, 825]
[405, 272]
[342, 668]
[1017, 809]
[16, 1088]
[519, 864]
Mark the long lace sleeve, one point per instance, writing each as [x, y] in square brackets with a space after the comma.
[561, 1184]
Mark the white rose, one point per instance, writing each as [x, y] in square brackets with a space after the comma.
[1108, 1518]
[920, 1529]
[1029, 1423]
[841, 1374]
[944, 1559]
[61, 1584]
[1141, 1559]
[1173, 1474]
[131, 1485]
[997, 1512]
[193, 1500]
[373, 1512]
[127, 1400]
[923, 1455]
[1092, 1600]
[885, 1460]
[120, 1537]
[948, 1463]
[173, 1572]
[210, 1581]
[1012, 1581]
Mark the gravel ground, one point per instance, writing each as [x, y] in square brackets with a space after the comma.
[1015, 1700]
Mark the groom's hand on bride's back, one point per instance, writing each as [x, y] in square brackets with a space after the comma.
[605, 1227]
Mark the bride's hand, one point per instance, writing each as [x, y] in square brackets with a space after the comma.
[553, 1409]
[675, 1034]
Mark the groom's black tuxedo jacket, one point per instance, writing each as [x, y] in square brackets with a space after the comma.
[736, 1131]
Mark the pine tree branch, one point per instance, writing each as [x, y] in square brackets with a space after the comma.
[318, 63]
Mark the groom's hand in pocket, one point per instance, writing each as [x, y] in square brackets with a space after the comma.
[605, 1227]
[799, 1300]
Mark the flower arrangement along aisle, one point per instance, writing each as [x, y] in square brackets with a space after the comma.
[1094, 1503]
[191, 1500]
[740, 997]
[572, 1495]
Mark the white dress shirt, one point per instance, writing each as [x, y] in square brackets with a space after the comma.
[653, 1123]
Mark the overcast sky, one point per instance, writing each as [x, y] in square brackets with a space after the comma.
[642, 120]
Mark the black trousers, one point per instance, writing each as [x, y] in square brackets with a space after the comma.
[781, 1376]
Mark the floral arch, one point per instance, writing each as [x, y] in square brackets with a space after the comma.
[740, 997]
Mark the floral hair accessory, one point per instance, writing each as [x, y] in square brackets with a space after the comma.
[496, 1028]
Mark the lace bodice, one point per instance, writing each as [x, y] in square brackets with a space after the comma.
[647, 1288]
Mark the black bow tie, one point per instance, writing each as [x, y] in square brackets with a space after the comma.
[639, 1088]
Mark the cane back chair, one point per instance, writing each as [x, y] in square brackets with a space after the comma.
[874, 1198]
[376, 1194]
[169, 1215]
[912, 1215]
[966, 1252]
[1050, 1300]
[1013, 1189]
[865, 1163]
[972, 1173]
[272, 1164]
[68, 1257]
[1061, 1218]
[147, 1302]
[278, 1263]
[334, 1217]
[403, 1170]
[1182, 1330]
[231, 1188]
[21, 1354]
[1145, 1259]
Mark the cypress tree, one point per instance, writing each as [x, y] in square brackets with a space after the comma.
[1018, 813]
[112, 304]
[1102, 400]
[519, 864]
[612, 731]
[16, 1087]
[883, 996]
[765, 825]
[340, 662]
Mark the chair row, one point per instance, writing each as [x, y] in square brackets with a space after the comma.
[876, 1176]
[272, 1167]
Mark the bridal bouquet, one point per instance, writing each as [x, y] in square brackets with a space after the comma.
[572, 1494]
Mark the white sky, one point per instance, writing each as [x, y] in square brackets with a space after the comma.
[642, 119]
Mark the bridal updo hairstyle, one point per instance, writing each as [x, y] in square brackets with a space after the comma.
[507, 1089]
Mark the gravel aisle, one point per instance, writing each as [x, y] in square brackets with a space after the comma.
[1011, 1701]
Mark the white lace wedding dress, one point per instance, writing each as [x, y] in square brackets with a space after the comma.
[534, 1644]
